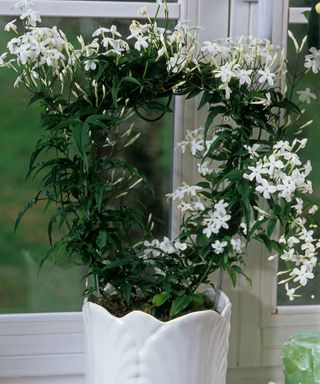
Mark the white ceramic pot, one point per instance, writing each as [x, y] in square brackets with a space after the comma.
[139, 349]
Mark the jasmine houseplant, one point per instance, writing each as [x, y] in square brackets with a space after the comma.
[88, 92]
[253, 184]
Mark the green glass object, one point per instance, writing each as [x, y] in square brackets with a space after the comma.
[301, 358]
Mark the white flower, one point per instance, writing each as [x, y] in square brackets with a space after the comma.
[265, 188]
[273, 163]
[100, 31]
[11, 26]
[166, 246]
[142, 42]
[288, 255]
[297, 177]
[192, 207]
[196, 146]
[113, 31]
[290, 292]
[313, 209]
[185, 189]
[282, 146]
[90, 65]
[306, 96]
[152, 248]
[180, 246]
[225, 73]
[211, 47]
[244, 76]
[32, 17]
[252, 150]
[205, 168]
[306, 235]
[216, 219]
[221, 206]
[266, 76]
[302, 275]
[287, 188]
[256, 173]
[236, 245]
[312, 61]
[292, 240]
[219, 246]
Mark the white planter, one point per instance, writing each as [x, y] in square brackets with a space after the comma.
[139, 349]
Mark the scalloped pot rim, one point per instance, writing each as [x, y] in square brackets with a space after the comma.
[211, 312]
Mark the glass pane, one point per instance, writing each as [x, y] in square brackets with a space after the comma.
[22, 287]
[301, 3]
[310, 294]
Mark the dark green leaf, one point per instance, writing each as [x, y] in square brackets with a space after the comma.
[197, 299]
[179, 304]
[101, 239]
[160, 298]
[81, 138]
[271, 226]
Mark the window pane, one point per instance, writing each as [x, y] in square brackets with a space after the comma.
[310, 294]
[57, 289]
[301, 3]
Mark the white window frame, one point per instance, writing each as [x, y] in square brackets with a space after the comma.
[48, 348]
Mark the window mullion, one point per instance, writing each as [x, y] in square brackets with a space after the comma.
[110, 9]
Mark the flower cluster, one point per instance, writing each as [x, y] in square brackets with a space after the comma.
[280, 174]
[39, 47]
[282, 177]
[248, 60]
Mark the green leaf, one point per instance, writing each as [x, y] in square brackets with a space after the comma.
[128, 79]
[114, 91]
[50, 227]
[271, 226]
[204, 100]
[179, 304]
[36, 97]
[160, 298]
[126, 290]
[214, 112]
[197, 299]
[29, 205]
[154, 105]
[233, 276]
[80, 134]
[244, 190]
[99, 196]
[194, 92]
[101, 239]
